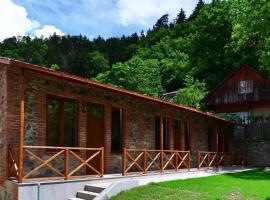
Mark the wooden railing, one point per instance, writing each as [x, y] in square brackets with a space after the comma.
[143, 161]
[64, 162]
[12, 167]
[209, 159]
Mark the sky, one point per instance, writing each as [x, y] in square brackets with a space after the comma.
[91, 18]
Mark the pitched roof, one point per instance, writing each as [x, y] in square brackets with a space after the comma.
[229, 76]
[73, 78]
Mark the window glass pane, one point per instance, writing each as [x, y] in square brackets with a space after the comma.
[53, 110]
[116, 130]
[70, 124]
[245, 86]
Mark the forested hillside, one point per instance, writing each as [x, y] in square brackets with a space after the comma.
[191, 54]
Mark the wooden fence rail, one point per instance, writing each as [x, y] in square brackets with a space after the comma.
[61, 161]
[209, 159]
[143, 161]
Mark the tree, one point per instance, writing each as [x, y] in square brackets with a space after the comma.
[197, 9]
[251, 33]
[192, 94]
[210, 57]
[97, 64]
[181, 17]
[138, 75]
[162, 22]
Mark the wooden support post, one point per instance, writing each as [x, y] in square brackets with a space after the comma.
[124, 162]
[208, 160]
[161, 140]
[188, 160]
[144, 161]
[66, 163]
[198, 159]
[102, 162]
[161, 130]
[21, 144]
[216, 139]
[176, 160]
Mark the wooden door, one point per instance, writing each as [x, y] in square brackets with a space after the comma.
[177, 135]
[95, 131]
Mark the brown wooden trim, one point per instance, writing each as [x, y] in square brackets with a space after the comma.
[22, 123]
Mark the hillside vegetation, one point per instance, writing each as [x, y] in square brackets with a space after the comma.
[191, 54]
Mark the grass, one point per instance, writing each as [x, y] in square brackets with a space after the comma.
[252, 185]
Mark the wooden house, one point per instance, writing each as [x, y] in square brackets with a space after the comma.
[245, 92]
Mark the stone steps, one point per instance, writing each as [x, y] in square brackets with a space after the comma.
[90, 192]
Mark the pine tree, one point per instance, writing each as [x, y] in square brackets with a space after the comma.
[161, 22]
[181, 17]
[197, 9]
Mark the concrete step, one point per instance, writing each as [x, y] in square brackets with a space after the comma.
[75, 198]
[86, 195]
[91, 188]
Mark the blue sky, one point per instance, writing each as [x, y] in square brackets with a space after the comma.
[107, 18]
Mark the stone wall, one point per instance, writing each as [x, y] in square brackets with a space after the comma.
[258, 153]
[139, 116]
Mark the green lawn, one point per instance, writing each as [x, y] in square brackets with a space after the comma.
[253, 184]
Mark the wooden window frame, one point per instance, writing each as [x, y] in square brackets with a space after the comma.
[248, 88]
[62, 99]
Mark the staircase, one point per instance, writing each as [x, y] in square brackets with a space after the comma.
[90, 192]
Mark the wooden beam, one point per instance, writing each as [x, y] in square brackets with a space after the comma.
[216, 139]
[20, 163]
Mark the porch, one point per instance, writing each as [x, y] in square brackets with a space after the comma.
[109, 184]
[47, 163]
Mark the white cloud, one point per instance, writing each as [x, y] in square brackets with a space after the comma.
[14, 20]
[47, 31]
[145, 12]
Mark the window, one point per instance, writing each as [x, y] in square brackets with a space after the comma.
[245, 86]
[211, 139]
[220, 140]
[61, 122]
[187, 137]
[166, 140]
[116, 129]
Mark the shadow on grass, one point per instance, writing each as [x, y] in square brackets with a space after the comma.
[257, 174]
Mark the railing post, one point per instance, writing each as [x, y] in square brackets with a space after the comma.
[124, 162]
[217, 160]
[176, 160]
[145, 161]
[208, 160]
[188, 160]
[161, 161]
[102, 162]
[66, 163]
[198, 160]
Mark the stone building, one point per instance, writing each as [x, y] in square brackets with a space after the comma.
[46, 115]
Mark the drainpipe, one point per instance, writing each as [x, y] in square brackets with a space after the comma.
[38, 191]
